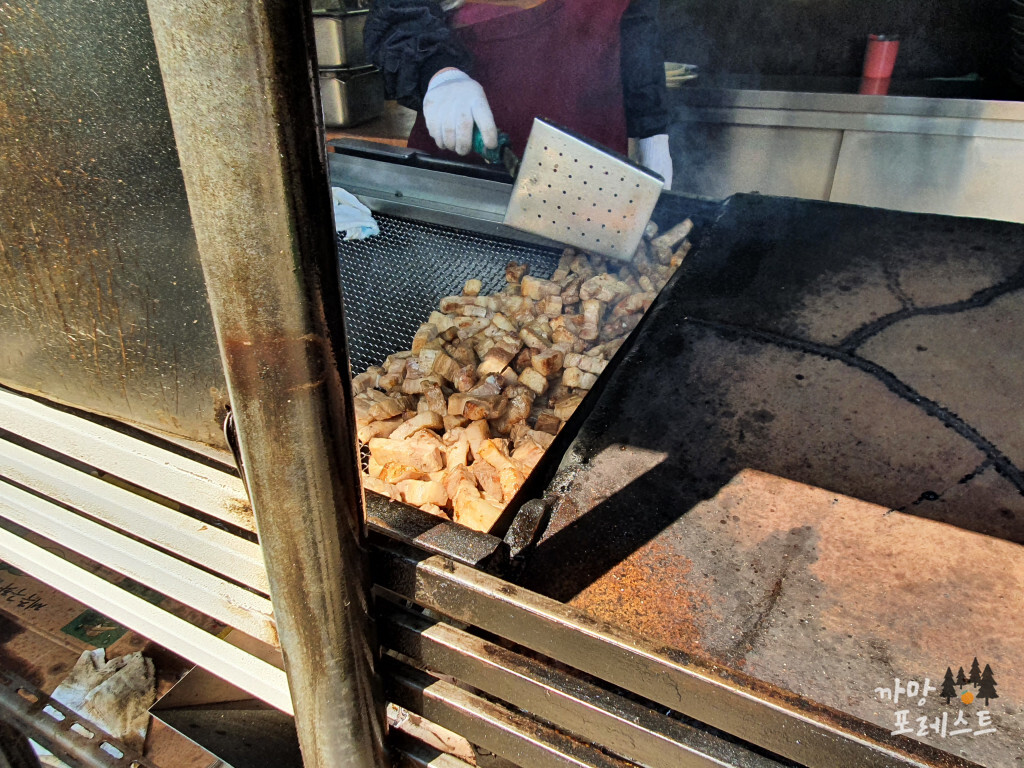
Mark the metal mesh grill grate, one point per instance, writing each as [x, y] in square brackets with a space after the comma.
[393, 282]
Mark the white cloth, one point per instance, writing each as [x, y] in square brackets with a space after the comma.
[653, 153]
[352, 218]
[452, 104]
[115, 695]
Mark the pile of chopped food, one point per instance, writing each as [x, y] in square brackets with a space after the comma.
[455, 424]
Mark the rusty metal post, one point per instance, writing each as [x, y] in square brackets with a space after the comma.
[240, 85]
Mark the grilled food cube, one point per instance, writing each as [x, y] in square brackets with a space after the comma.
[550, 306]
[378, 486]
[636, 302]
[548, 422]
[605, 288]
[450, 305]
[440, 321]
[458, 452]
[374, 429]
[476, 433]
[472, 288]
[366, 380]
[422, 420]
[674, 236]
[435, 400]
[486, 388]
[426, 332]
[476, 407]
[520, 403]
[515, 272]
[593, 312]
[512, 479]
[459, 480]
[537, 288]
[590, 362]
[496, 360]
[421, 385]
[565, 407]
[577, 379]
[547, 362]
[476, 512]
[464, 380]
[445, 367]
[420, 492]
[678, 255]
[424, 455]
[389, 408]
[534, 379]
[470, 326]
[492, 407]
[455, 422]
[533, 336]
[395, 473]
[492, 451]
[488, 480]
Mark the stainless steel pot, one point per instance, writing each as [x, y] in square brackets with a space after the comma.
[351, 97]
[339, 39]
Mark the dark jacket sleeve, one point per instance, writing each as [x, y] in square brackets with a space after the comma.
[409, 41]
[643, 71]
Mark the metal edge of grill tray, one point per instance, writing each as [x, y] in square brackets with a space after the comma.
[437, 230]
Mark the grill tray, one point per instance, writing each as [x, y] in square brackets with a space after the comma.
[392, 282]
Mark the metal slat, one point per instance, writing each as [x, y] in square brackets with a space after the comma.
[808, 734]
[185, 583]
[256, 677]
[214, 492]
[408, 752]
[191, 539]
[623, 727]
[511, 735]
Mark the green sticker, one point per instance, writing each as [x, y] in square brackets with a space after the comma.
[94, 628]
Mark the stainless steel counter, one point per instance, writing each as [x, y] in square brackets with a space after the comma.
[929, 147]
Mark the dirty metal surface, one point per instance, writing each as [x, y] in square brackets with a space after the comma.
[870, 353]
[102, 303]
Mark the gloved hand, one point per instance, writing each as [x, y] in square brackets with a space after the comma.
[653, 153]
[452, 103]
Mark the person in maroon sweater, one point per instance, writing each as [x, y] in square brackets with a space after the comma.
[593, 66]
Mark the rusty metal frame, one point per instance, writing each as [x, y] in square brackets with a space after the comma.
[238, 76]
[62, 731]
[790, 727]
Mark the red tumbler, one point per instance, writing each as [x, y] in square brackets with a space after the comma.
[880, 56]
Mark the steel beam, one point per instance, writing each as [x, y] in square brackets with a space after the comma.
[796, 729]
[509, 734]
[240, 84]
[622, 727]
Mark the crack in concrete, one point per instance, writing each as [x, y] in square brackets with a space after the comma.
[939, 495]
[1002, 464]
[981, 298]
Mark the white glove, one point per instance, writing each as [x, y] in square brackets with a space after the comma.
[452, 103]
[653, 153]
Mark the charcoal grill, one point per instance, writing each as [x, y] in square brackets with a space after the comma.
[635, 486]
[619, 670]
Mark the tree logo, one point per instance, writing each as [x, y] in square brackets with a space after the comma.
[960, 687]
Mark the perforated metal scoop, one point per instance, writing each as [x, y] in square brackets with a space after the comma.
[572, 191]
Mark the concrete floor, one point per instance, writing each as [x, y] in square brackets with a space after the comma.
[808, 467]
